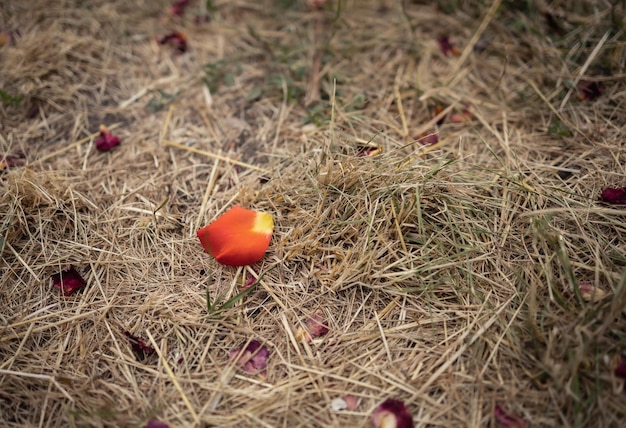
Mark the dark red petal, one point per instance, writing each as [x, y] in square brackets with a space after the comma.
[69, 281]
[447, 47]
[178, 8]
[175, 39]
[428, 139]
[368, 150]
[140, 347]
[253, 359]
[620, 370]
[10, 161]
[614, 195]
[106, 141]
[154, 423]
[590, 90]
[394, 411]
[504, 420]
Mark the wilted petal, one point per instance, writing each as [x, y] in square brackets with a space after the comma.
[250, 281]
[447, 47]
[175, 39]
[140, 347]
[106, 141]
[620, 370]
[154, 423]
[504, 420]
[369, 150]
[614, 195]
[590, 90]
[462, 117]
[178, 8]
[316, 325]
[13, 160]
[69, 281]
[352, 402]
[428, 138]
[392, 414]
[253, 359]
[239, 237]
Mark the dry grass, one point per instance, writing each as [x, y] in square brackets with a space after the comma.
[449, 274]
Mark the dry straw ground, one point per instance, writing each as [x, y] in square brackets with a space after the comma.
[448, 274]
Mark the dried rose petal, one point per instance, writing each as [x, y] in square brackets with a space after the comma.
[614, 195]
[239, 237]
[368, 150]
[504, 420]
[428, 138]
[352, 402]
[462, 117]
[620, 370]
[392, 414]
[178, 8]
[69, 281]
[106, 141]
[589, 90]
[447, 47]
[316, 325]
[140, 347]
[253, 359]
[154, 423]
[250, 281]
[10, 161]
[590, 292]
[175, 39]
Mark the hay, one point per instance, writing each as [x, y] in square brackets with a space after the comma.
[448, 274]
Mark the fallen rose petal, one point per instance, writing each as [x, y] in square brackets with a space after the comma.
[175, 39]
[178, 8]
[462, 117]
[392, 414]
[239, 237]
[589, 90]
[316, 325]
[106, 141]
[10, 161]
[505, 420]
[615, 196]
[140, 347]
[253, 359]
[620, 370]
[447, 47]
[69, 281]
[591, 293]
[154, 423]
[352, 402]
[368, 150]
[427, 139]
[250, 281]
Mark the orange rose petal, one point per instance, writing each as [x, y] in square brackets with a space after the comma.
[239, 237]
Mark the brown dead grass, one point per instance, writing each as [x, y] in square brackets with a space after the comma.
[448, 274]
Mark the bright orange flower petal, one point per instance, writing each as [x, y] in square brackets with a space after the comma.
[239, 237]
